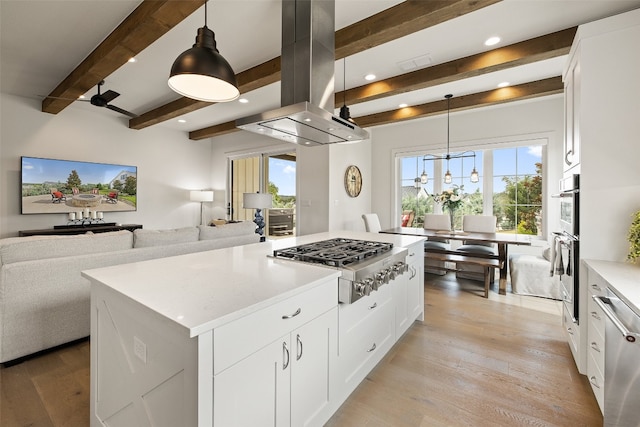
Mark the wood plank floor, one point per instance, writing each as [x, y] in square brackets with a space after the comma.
[473, 362]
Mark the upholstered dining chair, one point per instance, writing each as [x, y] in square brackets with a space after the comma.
[477, 224]
[436, 222]
[371, 223]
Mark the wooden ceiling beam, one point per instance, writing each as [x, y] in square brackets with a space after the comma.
[520, 92]
[550, 86]
[146, 24]
[526, 52]
[390, 24]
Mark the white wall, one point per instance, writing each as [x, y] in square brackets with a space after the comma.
[169, 164]
[540, 118]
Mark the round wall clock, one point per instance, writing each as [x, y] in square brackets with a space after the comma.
[353, 181]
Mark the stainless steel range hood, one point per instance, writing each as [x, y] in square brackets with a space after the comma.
[307, 81]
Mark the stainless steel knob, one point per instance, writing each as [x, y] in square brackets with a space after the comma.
[371, 283]
[362, 289]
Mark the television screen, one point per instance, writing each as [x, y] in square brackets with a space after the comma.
[60, 186]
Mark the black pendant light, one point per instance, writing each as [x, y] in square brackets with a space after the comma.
[344, 110]
[202, 73]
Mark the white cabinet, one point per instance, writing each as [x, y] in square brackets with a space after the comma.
[285, 378]
[572, 92]
[595, 336]
[283, 384]
[366, 333]
[415, 287]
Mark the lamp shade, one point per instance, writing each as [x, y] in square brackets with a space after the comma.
[201, 196]
[257, 200]
[202, 73]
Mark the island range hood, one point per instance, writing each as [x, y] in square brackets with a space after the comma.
[307, 81]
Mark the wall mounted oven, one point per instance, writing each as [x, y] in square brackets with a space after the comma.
[567, 244]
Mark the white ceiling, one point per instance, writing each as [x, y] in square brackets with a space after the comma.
[43, 41]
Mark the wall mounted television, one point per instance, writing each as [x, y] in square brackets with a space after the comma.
[62, 186]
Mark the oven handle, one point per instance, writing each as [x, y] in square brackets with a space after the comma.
[603, 303]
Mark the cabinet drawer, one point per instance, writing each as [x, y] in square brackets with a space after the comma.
[596, 320]
[595, 346]
[351, 314]
[363, 344]
[572, 331]
[236, 340]
[596, 379]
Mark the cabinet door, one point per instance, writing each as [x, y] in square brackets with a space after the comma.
[415, 286]
[255, 391]
[399, 286]
[313, 356]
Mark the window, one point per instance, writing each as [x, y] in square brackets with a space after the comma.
[510, 187]
[517, 189]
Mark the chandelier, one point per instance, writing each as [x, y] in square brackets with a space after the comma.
[447, 176]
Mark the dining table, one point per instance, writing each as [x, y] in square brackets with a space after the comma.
[502, 240]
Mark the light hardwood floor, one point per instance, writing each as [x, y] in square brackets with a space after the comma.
[473, 362]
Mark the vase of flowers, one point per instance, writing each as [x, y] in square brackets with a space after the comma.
[451, 200]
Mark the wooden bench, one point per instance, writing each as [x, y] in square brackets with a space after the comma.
[460, 257]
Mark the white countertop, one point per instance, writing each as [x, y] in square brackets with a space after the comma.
[204, 290]
[623, 277]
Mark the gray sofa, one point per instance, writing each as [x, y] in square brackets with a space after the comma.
[44, 300]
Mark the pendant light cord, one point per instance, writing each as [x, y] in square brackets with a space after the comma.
[344, 81]
[205, 12]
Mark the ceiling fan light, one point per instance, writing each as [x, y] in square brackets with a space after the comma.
[202, 73]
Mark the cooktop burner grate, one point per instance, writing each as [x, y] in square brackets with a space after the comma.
[338, 252]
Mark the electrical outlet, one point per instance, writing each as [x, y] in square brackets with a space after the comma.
[140, 349]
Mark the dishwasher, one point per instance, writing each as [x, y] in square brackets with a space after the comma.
[622, 367]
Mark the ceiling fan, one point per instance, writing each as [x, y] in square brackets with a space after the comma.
[103, 100]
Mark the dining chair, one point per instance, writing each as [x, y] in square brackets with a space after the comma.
[477, 224]
[436, 222]
[371, 223]
[407, 218]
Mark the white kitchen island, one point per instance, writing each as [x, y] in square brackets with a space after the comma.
[235, 337]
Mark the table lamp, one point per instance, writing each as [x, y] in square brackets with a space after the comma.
[258, 201]
[201, 196]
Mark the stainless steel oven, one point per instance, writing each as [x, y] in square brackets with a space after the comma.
[566, 243]
[570, 204]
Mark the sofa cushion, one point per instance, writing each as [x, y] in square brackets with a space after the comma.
[16, 249]
[146, 238]
[227, 230]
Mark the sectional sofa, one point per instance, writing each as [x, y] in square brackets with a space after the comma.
[45, 302]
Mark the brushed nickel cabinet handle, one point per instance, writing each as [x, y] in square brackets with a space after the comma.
[299, 352]
[289, 316]
[372, 348]
[592, 380]
[285, 356]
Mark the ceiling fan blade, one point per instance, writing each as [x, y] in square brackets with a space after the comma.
[110, 95]
[120, 110]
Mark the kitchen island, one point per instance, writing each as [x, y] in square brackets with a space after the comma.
[236, 337]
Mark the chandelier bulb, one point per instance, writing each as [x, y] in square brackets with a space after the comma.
[474, 176]
[424, 178]
[447, 177]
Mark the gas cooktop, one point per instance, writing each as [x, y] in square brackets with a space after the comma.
[338, 252]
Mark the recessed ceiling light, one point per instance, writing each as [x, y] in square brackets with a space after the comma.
[243, 100]
[81, 97]
[132, 59]
[307, 119]
[370, 77]
[182, 121]
[403, 105]
[504, 84]
[492, 41]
